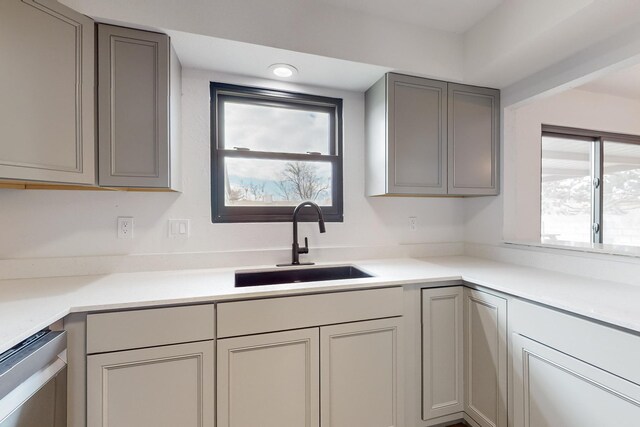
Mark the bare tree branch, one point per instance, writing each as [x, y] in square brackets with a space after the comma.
[301, 180]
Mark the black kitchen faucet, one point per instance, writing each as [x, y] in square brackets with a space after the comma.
[296, 250]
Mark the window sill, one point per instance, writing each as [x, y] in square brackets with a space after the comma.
[603, 249]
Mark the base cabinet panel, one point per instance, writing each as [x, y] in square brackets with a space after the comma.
[485, 354]
[153, 387]
[552, 389]
[269, 380]
[442, 352]
[360, 368]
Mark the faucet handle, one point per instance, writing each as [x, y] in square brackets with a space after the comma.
[305, 250]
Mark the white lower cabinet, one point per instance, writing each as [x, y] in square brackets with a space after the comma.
[340, 360]
[360, 371]
[464, 356]
[442, 353]
[552, 389]
[485, 358]
[164, 386]
[345, 375]
[269, 380]
[571, 372]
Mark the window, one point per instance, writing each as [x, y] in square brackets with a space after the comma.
[590, 190]
[271, 150]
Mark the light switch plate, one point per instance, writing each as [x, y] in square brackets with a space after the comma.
[179, 228]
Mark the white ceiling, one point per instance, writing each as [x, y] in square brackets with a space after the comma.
[624, 83]
[228, 56]
[509, 44]
[448, 15]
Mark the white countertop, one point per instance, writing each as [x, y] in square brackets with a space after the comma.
[28, 305]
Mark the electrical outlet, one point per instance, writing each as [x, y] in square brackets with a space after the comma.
[125, 227]
[179, 228]
[413, 223]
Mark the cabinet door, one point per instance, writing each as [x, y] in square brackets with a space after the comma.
[553, 389]
[474, 136]
[48, 93]
[269, 380]
[442, 352]
[133, 108]
[417, 135]
[360, 384]
[152, 387]
[485, 354]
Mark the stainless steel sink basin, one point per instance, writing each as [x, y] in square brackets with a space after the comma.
[297, 275]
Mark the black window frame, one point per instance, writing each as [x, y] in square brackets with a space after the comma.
[597, 138]
[220, 213]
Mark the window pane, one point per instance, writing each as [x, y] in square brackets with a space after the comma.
[259, 182]
[276, 129]
[621, 218]
[566, 190]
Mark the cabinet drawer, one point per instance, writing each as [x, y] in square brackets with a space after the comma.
[277, 314]
[147, 328]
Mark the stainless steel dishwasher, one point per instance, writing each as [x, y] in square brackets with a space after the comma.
[33, 382]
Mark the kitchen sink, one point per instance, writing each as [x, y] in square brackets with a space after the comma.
[297, 275]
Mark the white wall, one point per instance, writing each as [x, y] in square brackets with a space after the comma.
[71, 223]
[518, 207]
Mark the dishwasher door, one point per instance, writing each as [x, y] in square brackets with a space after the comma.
[33, 385]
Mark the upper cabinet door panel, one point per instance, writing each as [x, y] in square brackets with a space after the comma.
[417, 135]
[48, 91]
[474, 116]
[133, 107]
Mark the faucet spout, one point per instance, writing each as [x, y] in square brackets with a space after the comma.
[296, 250]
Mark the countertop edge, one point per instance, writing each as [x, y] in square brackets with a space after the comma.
[451, 270]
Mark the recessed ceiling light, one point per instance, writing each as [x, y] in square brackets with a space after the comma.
[283, 70]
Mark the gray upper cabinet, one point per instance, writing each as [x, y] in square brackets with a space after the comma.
[47, 83]
[431, 138]
[474, 127]
[407, 132]
[137, 71]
